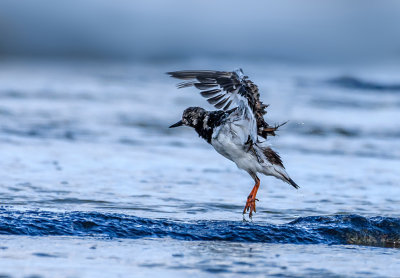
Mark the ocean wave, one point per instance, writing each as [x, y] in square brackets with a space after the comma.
[351, 82]
[338, 229]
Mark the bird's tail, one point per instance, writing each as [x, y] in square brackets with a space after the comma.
[285, 177]
[291, 182]
[270, 158]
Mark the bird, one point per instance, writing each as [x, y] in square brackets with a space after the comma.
[237, 130]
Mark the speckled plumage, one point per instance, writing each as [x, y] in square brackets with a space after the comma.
[204, 121]
[235, 132]
[218, 85]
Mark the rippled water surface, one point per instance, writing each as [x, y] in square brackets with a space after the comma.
[94, 184]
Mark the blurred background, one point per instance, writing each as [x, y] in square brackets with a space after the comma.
[85, 106]
[307, 31]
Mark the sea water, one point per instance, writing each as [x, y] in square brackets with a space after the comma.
[94, 183]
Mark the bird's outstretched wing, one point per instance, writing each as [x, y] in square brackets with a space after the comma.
[225, 90]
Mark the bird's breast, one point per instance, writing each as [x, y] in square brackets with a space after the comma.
[229, 141]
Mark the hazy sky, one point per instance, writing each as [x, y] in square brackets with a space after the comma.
[315, 31]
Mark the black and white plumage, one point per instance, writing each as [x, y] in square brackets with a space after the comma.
[236, 129]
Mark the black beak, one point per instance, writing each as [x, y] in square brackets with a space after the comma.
[176, 124]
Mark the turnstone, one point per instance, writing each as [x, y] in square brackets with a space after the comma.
[237, 130]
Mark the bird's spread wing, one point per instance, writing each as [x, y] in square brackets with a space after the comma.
[225, 90]
[222, 89]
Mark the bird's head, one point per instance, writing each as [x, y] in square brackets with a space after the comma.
[190, 117]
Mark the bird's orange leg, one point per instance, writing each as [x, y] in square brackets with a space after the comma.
[251, 199]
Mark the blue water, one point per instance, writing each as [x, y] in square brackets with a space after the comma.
[94, 184]
[340, 229]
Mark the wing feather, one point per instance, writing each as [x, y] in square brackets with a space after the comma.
[225, 90]
[215, 99]
[221, 104]
[227, 105]
[210, 93]
[205, 86]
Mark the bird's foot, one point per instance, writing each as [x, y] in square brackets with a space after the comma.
[250, 206]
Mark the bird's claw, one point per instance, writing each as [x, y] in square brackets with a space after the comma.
[250, 206]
